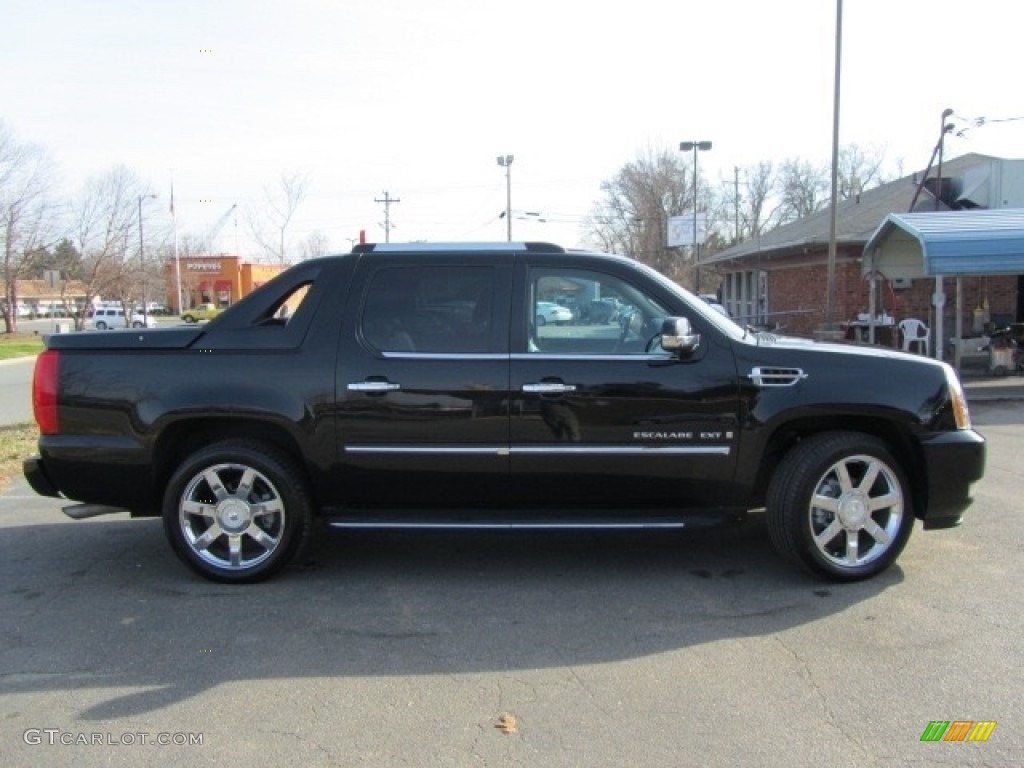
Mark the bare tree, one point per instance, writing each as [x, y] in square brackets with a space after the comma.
[804, 188]
[632, 217]
[752, 196]
[315, 245]
[269, 223]
[762, 198]
[860, 168]
[106, 235]
[26, 215]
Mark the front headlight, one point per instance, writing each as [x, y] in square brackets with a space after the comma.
[957, 398]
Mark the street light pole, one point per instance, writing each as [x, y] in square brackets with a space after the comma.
[939, 299]
[142, 264]
[695, 147]
[833, 246]
[505, 161]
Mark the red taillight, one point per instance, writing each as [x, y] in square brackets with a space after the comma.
[44, 391]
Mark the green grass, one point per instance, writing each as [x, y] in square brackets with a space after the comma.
[19, 345]
[17, 442]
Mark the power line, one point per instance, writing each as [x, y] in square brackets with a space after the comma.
[980, 122]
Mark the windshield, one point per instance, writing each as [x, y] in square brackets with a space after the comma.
[697, 305]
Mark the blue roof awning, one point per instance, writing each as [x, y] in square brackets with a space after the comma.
[976, 242]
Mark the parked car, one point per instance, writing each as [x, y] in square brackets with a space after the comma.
[549, 312]
[50, 309]
[106, 318]
[21, 310]
[714, 303]
[152, 308]
[202, 312]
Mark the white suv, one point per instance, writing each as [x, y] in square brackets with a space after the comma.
[110, 317]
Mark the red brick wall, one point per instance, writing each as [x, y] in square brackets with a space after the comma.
[802, 288]
[802, 291]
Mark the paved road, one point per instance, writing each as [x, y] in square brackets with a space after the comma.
[608, 650]
[16, 391]
[16, 377]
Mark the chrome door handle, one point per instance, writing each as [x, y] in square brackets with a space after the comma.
[373, 386]
[549, 388]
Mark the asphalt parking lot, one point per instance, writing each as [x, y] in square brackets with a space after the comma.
[513, 649]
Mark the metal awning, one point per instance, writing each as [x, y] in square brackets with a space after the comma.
[977, 242]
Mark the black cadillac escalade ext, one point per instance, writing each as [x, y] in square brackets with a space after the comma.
[422, 386]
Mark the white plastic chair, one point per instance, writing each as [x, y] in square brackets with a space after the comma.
[914, 332]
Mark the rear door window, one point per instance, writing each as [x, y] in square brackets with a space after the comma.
[431, 309]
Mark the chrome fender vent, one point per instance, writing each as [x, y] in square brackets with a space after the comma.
[776, 377]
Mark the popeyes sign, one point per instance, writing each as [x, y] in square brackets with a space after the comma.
[203, 266]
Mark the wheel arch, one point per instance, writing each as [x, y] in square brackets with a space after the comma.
[182, 438]
[897, 439]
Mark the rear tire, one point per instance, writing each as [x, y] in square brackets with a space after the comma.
[237, 511]
[839, 506]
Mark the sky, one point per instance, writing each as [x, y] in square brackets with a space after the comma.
[415, 99]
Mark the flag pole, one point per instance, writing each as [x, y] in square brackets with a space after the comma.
[177, 262]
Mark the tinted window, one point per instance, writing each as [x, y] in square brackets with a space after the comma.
[430, 309]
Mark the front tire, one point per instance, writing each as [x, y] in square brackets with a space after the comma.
[237, 511]
[839, 505]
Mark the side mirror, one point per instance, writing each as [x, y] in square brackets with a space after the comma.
[677, 336]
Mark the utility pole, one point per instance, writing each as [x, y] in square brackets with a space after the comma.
[833, 247]
[736, 200]
[505, 161]
[388, 200]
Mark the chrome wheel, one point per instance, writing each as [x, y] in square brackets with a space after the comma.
[232, 516]
[237, 511]
[839, 505]
[856, 511]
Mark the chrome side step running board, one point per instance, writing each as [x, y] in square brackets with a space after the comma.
[83, 511]
[528, 525]
[397, 520]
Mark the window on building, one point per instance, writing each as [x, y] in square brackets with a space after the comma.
[745, 295]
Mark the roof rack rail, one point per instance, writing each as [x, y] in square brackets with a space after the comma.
[535, 247]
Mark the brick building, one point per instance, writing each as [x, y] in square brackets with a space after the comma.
[42, 299]
[780, 278]
[220, 280]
